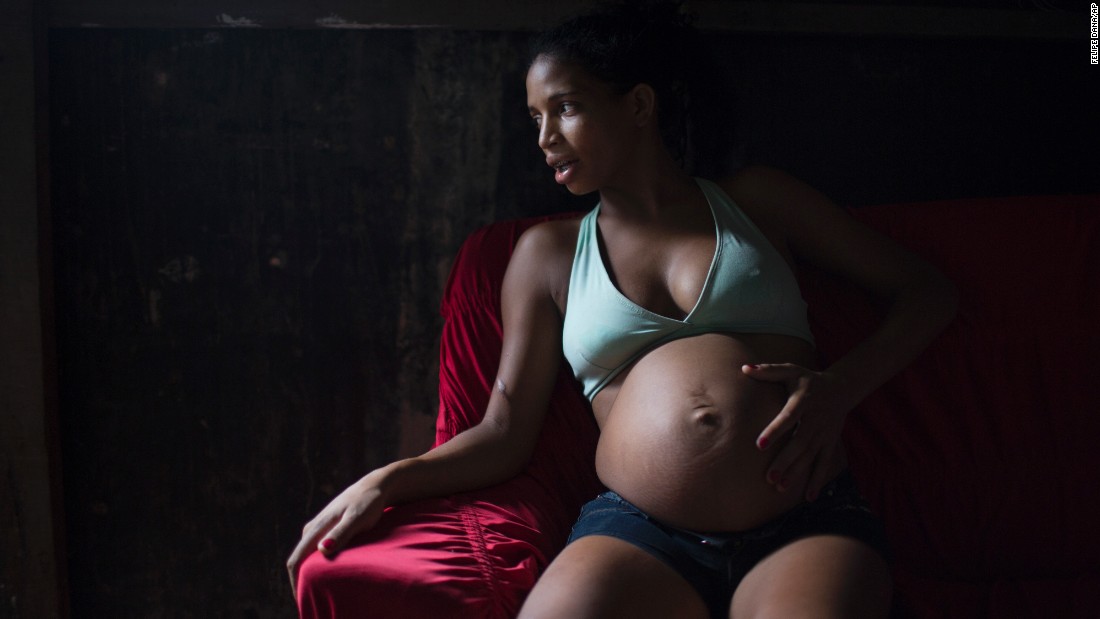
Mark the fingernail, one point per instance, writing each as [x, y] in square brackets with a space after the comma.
[773, 477]
[753, 366]
[783, 485]
[811, 495]
[327, 543]
[762, 442]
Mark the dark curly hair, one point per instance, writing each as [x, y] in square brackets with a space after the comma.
[655, 43]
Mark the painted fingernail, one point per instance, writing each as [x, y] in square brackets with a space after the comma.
[773, 477]
[753, 366]
[327, 543]
[783, 485]
[762, 442]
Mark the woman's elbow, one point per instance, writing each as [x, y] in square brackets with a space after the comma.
[513, 448]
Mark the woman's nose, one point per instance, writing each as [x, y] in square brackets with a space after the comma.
[548, 135]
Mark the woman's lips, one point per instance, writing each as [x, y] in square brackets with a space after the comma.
[563, 170]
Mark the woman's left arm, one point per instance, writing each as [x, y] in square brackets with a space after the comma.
[920, 302]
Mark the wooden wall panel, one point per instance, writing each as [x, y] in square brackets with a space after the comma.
[926, 18]
[31, 547]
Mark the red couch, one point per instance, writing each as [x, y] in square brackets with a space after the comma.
[981, 457]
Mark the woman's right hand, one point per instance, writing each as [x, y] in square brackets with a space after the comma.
[353, 511]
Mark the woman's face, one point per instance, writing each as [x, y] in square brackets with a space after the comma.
[584, 125]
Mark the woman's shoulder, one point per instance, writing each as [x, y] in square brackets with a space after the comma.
[772, 195]
[550, 238]
[544, 255]
[756, 184]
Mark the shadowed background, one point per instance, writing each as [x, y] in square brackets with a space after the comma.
[251, 228]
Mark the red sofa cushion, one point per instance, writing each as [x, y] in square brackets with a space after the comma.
[979, 456]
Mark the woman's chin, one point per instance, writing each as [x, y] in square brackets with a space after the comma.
[579, 190]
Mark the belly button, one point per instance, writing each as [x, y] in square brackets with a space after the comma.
[707, 418]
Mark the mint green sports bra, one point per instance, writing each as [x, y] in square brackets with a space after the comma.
[749, 289]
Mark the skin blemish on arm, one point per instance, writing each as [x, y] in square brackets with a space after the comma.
[501, 387]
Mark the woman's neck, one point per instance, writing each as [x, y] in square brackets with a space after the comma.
[648, 192]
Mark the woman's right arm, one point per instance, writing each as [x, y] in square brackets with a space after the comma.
[497, 448]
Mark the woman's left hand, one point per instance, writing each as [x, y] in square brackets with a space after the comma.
[814, 416]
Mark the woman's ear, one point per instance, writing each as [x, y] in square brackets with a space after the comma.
[643, 104]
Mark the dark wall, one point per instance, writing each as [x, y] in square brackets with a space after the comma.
[253, 228]
[873, 121]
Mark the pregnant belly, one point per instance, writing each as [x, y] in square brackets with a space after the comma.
[679, 440]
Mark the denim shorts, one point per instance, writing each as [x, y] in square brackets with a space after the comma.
[715, 563]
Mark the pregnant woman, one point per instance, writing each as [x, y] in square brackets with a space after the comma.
[675, 302]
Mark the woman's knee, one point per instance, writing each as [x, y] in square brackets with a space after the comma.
[598, 576]
[819, 577]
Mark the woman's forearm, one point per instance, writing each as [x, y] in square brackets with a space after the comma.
[916, 315]
[483, 455]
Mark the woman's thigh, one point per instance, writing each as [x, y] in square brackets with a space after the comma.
[601, 576]
[819, 576]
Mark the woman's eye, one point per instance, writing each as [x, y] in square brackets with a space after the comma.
[566, 108]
